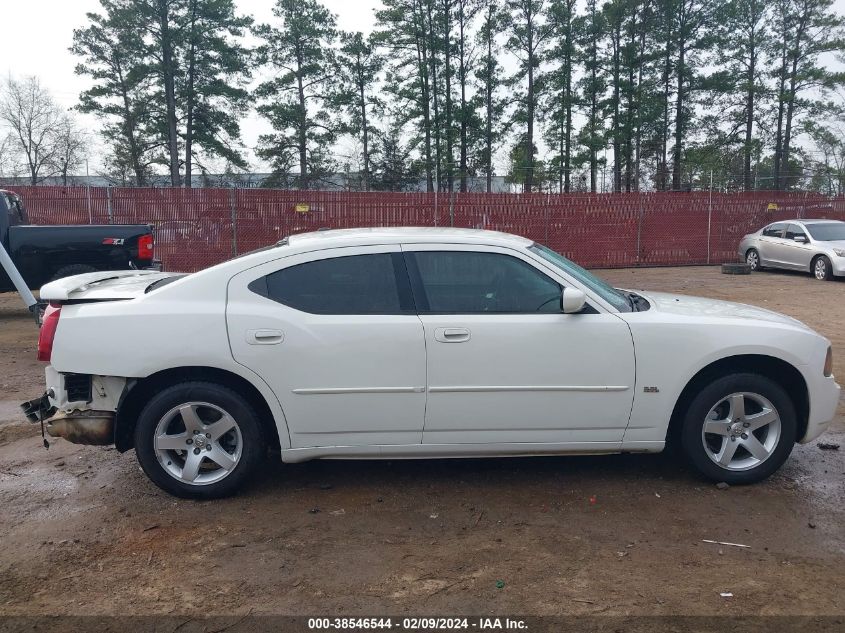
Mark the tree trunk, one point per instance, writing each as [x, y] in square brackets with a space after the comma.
[488, 103]
[594, 160]
[362, 101]
[530, 107]
[797, 52]
[529, 137]
[638, 124]
[778, 159]
[422, 64]
[677, 150]
[303, 127]
[447, 37]
[462, 70]
[662, 170]
[567, 91]
[168, 74]
[432, 60]
[749, 115]
[190, 101]
[617, 163]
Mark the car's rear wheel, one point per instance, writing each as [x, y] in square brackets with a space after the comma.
[199, 439]
[822, 270]
[739, 429]
[752, 258]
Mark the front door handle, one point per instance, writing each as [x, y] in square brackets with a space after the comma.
[451, 334]
[264, 337]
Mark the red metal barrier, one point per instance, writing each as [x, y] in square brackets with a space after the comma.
[196, 228]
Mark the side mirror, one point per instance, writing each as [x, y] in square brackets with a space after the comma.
[801, 239]
[572, 300]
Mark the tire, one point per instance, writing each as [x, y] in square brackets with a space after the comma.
[736, 269]
[734, 439]
[71, 270]
[822, 268]
[221, 460]
[752, 258]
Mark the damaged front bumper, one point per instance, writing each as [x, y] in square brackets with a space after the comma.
[78, 408]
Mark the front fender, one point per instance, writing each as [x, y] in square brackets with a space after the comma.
[669, 355]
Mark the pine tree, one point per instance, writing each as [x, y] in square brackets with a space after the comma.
[359, 65]
[592, 87]
[465, 13]
[212, 97]
[404, 34]
[297, 100]
[528, 32]
[691, 24]
[802, 31]
[740, 44]
[561, 97]
[489, 82]
[114, 57]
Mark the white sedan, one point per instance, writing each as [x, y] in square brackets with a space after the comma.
[418, 343]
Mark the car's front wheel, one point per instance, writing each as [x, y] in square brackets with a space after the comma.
[752, 258]
[199, 439]
[822, 270]
[739, 429]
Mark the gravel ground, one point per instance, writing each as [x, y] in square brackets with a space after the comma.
[84, 532]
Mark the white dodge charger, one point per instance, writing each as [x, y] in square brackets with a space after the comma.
[418, 343]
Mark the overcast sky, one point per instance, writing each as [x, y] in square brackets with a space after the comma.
[38, 33]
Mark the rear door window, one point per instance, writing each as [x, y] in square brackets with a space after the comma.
[793, 231]
[353, 284]
[775, 230]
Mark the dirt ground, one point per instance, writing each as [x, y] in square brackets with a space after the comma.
[84, 532]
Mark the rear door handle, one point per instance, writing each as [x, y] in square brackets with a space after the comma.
[264, 337]
[451, 334]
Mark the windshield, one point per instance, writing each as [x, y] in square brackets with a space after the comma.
[600, 287]
[827, 231]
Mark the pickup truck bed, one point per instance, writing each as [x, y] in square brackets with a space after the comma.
[44, 253]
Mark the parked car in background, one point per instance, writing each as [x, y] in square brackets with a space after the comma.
[43, 253]
[816, 246]
[418, 343]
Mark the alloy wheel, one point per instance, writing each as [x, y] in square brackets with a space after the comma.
[198, 443]
[752, 260]
[741, 431]
[820, 269]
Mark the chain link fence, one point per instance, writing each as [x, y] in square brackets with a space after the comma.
[197, 228]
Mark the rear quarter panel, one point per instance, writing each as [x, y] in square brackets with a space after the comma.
[181, 325]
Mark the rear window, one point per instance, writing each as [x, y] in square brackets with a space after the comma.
[353, 284]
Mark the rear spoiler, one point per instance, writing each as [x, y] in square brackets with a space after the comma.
[62, 289]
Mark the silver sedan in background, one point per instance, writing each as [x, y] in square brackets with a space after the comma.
[816, 246]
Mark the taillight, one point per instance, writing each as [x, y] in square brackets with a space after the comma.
[145, 247]
[49, 322]
[828, 363]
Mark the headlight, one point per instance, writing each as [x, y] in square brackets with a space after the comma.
[828, 362]
[840, 252]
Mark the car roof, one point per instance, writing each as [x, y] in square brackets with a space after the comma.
[811, 221]
[397, 235]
